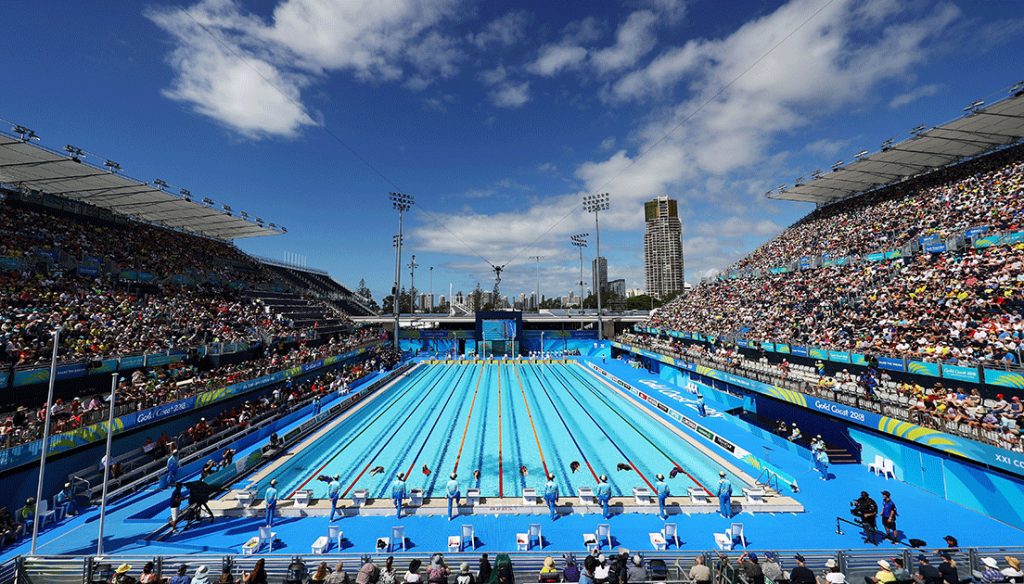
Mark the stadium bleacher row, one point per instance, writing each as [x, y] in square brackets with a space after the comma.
[958, 305]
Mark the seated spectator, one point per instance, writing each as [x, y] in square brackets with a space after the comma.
[548, 572]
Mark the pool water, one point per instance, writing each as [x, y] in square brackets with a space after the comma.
[513, 423]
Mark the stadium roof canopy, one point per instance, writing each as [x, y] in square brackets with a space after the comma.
[980, 131]
[65, 174]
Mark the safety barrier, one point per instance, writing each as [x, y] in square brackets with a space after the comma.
[854, 563]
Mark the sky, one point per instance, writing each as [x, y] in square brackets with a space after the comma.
[498, 117]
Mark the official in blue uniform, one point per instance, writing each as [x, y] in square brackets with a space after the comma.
[551, 495]
[663, 493]
[604, 494]
[172, 468]
[270, 498]
[66, 501]
[821, 457]
[452, 492]
[333, 492]
[701, 407]
[724, 496]
[398, 493]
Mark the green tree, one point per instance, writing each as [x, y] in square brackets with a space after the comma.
[366, 296]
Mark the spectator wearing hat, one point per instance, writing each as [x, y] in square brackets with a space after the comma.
[181, 577]
[636, 572]
[604, 495]
[120, 576]
[833, 575]
[801, 574]
[548, 572]
[884, 574]
[926, 572]
[465, 575]
[991, 574]
[773, 569]
[751, 569]
[1012, 570]
[202, 575]
[795, 433]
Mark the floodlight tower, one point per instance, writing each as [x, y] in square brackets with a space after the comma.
[401, 202]
[412, 283]
[580, 240]
[595, 204]
[538, 258]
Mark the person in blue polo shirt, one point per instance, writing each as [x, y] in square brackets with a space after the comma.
[172, 468]
[663, 492]
[452, 492]
[551, 495]
[398, 493]
[701, 407]
[724, 495]
[604, 494]
[822, 461]
[333, 492]
[270, 498]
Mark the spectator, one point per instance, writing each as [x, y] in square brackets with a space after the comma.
[387, 575]
[773, 569]
[202, 575]
[991, 574]
[148, 575]
[120, 576]
[181, 577]
[483, 574]
[637, 572]
[548, 572]
[751, 569]
[413, 575]
[884, 574]
[465, 575]
[438, 572]
[1012, 570]
[948, 568]
[368, 573]
[801, 574]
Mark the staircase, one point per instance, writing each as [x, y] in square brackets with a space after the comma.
[839, 455]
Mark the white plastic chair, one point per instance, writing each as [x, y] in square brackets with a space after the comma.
[876, 466]
[267, 536]
[671, 532]
[535, 533]
[335, 534]
[604, 531]
[736, 532]
[467, 534]
[888, 468]
[398, 537]
[44, 514]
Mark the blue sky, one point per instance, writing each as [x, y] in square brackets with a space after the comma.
[496, 116]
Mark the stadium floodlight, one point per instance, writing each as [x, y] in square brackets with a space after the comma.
[283, 229]
[799, 182]
[580, 240]
[160, 183]
[1018, 89]
[226, 207]
[886, 144]
[837, 165]
[25, 134]
[917, 130]
[259, 221]
[781, 188]
[74, 152]
[243, 214]
[400, 202]
[816, 173]
[974, 106]
[861, 155]
[186, 194]
[112, 166]
[595, 204]
[207, 201]
[272, 225]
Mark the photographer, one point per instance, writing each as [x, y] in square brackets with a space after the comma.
[866, 509]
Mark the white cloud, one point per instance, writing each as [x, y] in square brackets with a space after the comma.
[251, 77]
[502, 32]
[634, 39]
[720, 154]
[505, 92]
[608, 143]
[914, 95]
[553, 59]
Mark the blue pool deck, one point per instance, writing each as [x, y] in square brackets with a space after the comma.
[132, 520]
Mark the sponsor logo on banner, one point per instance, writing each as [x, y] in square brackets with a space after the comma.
[662, 407]
[725, 444]
[642, 395]
[705, 432]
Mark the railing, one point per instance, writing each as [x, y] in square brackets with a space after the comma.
[854, 563]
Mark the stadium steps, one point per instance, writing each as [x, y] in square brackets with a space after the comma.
[838, 455]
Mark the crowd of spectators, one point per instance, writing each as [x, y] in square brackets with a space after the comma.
[959, 309]
[955, 410]
[981, 193]
[159, 385]
[191, 296]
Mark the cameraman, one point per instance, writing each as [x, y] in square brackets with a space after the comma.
[866, 509]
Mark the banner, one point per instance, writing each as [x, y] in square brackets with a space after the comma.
[800, 351]
[891, 364]
[839, 356]
[1004, 378]
[1012, 462]
[969, 374]
[875, 257]
[923, 368]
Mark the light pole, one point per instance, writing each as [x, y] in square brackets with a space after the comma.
[538, 258]
[106, 463]
[580, 240]
[431, 271]
[412, 283]
[46, 437]
[401, 203]
[595, 204]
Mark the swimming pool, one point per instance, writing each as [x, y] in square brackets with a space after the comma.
[502, 428]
